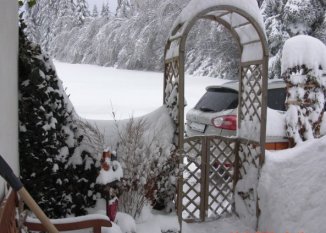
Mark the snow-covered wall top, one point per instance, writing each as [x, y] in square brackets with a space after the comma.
[9, 85]
[301, 50]
[248, 35]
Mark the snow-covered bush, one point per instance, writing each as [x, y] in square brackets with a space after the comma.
[143, 149]
[303, 68]
[56, 167]
[287, 18]
[139, 158]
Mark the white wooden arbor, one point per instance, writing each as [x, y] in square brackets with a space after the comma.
[199, 197]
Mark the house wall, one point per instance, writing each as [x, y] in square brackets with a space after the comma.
[8, 85]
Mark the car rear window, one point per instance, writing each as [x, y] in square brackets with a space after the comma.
[219, 99]
[216, 100]
[276, 99]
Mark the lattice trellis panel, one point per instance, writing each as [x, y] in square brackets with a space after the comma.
[249, 156]
[248, 165]
[220, 183]
[192, 199]
[172, 90]
[251, 102]
[207, 178]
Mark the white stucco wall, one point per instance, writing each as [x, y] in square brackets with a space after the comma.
[8, 84]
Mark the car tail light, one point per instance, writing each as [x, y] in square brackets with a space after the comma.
[225, 122]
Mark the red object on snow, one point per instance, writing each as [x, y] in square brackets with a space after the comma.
[112, 209]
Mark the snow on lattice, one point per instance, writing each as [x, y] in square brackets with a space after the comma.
[306, 50]
[245, 195]
[173, 51]
[251, 122]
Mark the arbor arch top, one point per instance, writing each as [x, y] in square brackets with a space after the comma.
[242, 18]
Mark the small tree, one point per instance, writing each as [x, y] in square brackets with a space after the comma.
[82, 11]
[105, 12]
[95, 12]
[303, 73]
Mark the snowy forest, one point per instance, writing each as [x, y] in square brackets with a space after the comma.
[133, 36]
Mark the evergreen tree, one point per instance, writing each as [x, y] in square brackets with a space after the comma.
[95, 12]
[47, 18]
[82, 11]
[287, 18]
[123, 9]
[105, 12]
[65, 16]
[56, 167]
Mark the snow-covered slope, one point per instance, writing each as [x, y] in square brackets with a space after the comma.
[292, 189]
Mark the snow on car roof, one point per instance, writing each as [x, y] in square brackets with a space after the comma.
[234, 85]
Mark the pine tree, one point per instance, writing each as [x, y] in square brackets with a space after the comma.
[95, 12]
[123, 9]
[47, 18]
[56, 168]
[82, 11]
[287, 18]
[105, 12]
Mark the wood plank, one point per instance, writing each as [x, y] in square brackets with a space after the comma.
[93, 223]
[8, 213]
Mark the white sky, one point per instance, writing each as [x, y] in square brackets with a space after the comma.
[99, 3]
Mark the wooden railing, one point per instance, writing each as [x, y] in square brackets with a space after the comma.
[8, 213]
[96, 222]
[8, 223]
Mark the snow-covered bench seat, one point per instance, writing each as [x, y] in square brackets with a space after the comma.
[94, 221]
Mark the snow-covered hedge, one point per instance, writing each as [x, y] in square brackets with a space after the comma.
[57, 167]
[303, 68]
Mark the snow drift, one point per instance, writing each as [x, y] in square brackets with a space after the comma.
[292, 190]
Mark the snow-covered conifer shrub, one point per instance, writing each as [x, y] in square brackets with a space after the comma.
[305, 103]
[303, 68]
[57, 168]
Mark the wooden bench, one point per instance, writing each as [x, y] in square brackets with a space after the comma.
[8, 213]
[95, 221]
[8, 223]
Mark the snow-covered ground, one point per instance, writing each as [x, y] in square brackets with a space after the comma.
[292, 185]
[96, 91]
[292, 189]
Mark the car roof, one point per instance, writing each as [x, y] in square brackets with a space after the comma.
[234, 85]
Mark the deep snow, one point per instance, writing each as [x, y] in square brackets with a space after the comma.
[292, 185]
[292, 189]
[96, 91]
